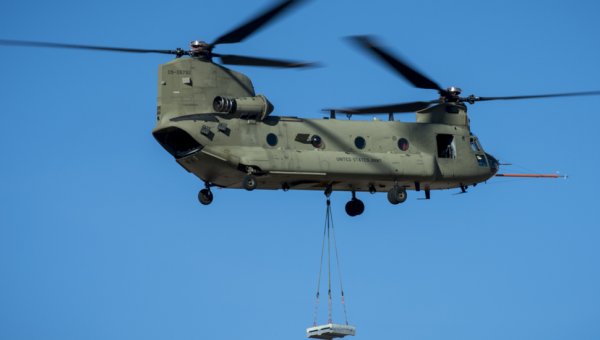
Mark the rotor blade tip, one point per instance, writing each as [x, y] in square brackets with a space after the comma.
[362, 39]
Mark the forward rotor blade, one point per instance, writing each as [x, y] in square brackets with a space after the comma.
[230, 59]
[243, 31]
[413, 76]
[568, 94]
[392, 108]
[83, 47]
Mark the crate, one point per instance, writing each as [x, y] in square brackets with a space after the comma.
[330, 331]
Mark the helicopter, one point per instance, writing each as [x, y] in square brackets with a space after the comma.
[214, 124]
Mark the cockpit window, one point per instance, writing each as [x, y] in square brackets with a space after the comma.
[481, 160]
[474, 145]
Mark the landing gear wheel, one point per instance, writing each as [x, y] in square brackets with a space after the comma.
[205, 196]
[355, 207]
[397, 195]
[249, 183]
[350, 209]
[359, 207]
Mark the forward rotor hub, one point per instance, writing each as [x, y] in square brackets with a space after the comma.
[453, 90]
[452, 94]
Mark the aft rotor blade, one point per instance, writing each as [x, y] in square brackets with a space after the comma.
[568, 94]
[84, 47]
[243, 31]
[409, 73]
[391, 108]
[230, 59]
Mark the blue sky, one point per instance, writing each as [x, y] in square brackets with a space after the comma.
[101, 235]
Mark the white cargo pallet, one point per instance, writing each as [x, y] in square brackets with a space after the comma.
[330, 331]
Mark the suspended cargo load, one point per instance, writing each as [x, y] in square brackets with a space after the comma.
[330, 331]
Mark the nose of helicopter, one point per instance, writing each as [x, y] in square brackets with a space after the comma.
[494, 163]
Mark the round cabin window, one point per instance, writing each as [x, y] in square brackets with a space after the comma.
[272, 139]
[403, 144]
[360, 142]
[316, 141]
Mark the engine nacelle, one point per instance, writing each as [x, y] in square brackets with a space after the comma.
[258, 106]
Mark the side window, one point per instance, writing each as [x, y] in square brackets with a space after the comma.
[360, 142]
[403, 144]
[272, 139]
[316, 141]
[445, 146]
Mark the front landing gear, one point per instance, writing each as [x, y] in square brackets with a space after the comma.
[205, 196]
[354, 207]
[249, 182]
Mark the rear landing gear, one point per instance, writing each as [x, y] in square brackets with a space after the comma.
[205, 196]
[354, 207]
[397, 195]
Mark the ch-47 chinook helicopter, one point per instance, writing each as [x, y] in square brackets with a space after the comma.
[212, 122]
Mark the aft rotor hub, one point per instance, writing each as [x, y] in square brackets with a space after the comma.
[200, 49]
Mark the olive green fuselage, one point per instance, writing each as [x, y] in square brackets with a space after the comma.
[438, 151]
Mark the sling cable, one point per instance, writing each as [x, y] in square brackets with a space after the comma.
[330, 330]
